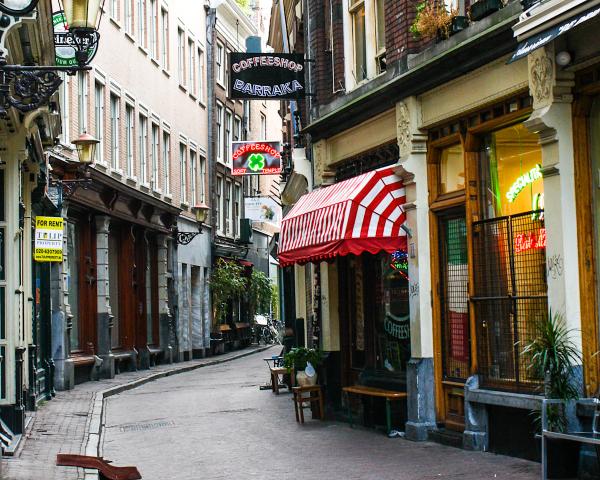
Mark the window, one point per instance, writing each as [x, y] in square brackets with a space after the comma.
[191, 67]
[227, 207]
[82, 101]
[236, 209]
[193, 176]
[218, 207]
[263, 126]
[183, 172]
[65, 107]
[219, 132]
[181, 56]
[115, 125]
[380, 34]
[166, 160]
[129, 16]
[452, 169]
[226, 70]
[220, 62]
[200, 74]
[154, 156]
[202, 179]
[142, 148]
[228, 135]
[99, 119]
[164, 38]
[129, 125]
[357, 13]
[141, 22]
[153, 29]
[237, 129]
[114, 9]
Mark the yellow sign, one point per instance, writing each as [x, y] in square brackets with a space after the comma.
[48, 239]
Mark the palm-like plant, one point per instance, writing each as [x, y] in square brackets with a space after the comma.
[552, 354]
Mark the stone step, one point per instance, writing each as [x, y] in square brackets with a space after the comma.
[447, 437]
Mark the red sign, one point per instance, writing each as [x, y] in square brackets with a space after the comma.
[530, 241]
[256, 158]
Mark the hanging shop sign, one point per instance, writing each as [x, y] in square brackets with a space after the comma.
[275, 76]
[262, 209]
[48, 239]
[256, 158]
[63, 42]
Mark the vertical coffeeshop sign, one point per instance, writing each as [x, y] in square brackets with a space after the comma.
[48, 239]
[264, 76]
[65, 51]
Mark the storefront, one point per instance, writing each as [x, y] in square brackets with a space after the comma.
[114, 293]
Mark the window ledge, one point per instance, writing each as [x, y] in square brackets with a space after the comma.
[221, 84]
[157, 193]
[131, 180]
[168, 197]
[100, 165]
[145, 187]
[193, 96]
[115, 22]
[130, 37]
[143, 49]
[166, 72]
[202, 103]
[154, 61]
[116, 172]
[183, 87]
[185, 205]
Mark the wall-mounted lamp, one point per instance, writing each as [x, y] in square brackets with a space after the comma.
[201, 212]
[563, 58]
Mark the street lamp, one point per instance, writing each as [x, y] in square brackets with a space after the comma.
[86, 148]
[28, 87]
[201, 212]
[86, 152]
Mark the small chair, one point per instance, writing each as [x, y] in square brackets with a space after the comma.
[315, 394]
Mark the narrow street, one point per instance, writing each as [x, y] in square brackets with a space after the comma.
[215, 423]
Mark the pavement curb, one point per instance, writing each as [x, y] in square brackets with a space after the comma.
[97, 413]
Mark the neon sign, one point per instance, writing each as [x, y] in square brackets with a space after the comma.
[400, 262]
[530, 241]
[256, 158]
[520, 183]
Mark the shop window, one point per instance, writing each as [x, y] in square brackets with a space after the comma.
[452, 169]
[509, 257]
[391, 311]
[73, 282]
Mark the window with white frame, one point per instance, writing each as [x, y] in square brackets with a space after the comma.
[115, 124]
[65, 107]
[193, 177]
[237, 129]
[99, 119]
[237, 209]
[153, 29]
[141, 22]
[226, 70]
[82, 101]
[228, 135]
[219, 132]
[183, 171]
[227, 207]
[154, 155]
[220, 61]
[218, 209]
[164, 38]
[166, 161]
[191, 67]
[202, 179]
[380, 35]
[114, 9]
[200, 74]
[263, 126]
[143, 149]
[357, 14]
[128, 16]
[181, 56]
[129, 126]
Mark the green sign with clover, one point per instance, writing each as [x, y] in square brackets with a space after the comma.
[256, 158]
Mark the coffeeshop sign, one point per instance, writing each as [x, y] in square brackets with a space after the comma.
[275, 76]
[256, 158]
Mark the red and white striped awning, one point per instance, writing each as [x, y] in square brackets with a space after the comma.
[361, 214]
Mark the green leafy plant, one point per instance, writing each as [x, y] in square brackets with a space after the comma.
[432, 19]
[298, 357]
[226, 282]
[259, 293]
[552, 354]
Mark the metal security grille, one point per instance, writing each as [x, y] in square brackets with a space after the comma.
[456, 353]
[510, 295]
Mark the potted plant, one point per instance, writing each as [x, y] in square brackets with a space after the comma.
[298, 358]
[458, 24]
[483, 8]
[433, 20]
[551, 355]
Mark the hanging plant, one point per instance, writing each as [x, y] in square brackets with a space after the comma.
[432, 20]
[227, 281]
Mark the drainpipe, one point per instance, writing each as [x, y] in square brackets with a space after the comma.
[211, 21]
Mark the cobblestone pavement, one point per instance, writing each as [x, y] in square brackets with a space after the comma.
[215, 423]
[61, 425]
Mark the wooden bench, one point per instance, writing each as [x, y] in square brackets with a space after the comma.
[389, 395]
[589, 438]
[129, 357]
[88, 358]
[104, 467]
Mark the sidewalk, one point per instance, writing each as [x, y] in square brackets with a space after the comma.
[71, 422]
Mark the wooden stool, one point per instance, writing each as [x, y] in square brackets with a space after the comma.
[315, 394]
[275, 372]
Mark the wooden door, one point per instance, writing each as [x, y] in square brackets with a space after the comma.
[453, 316]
